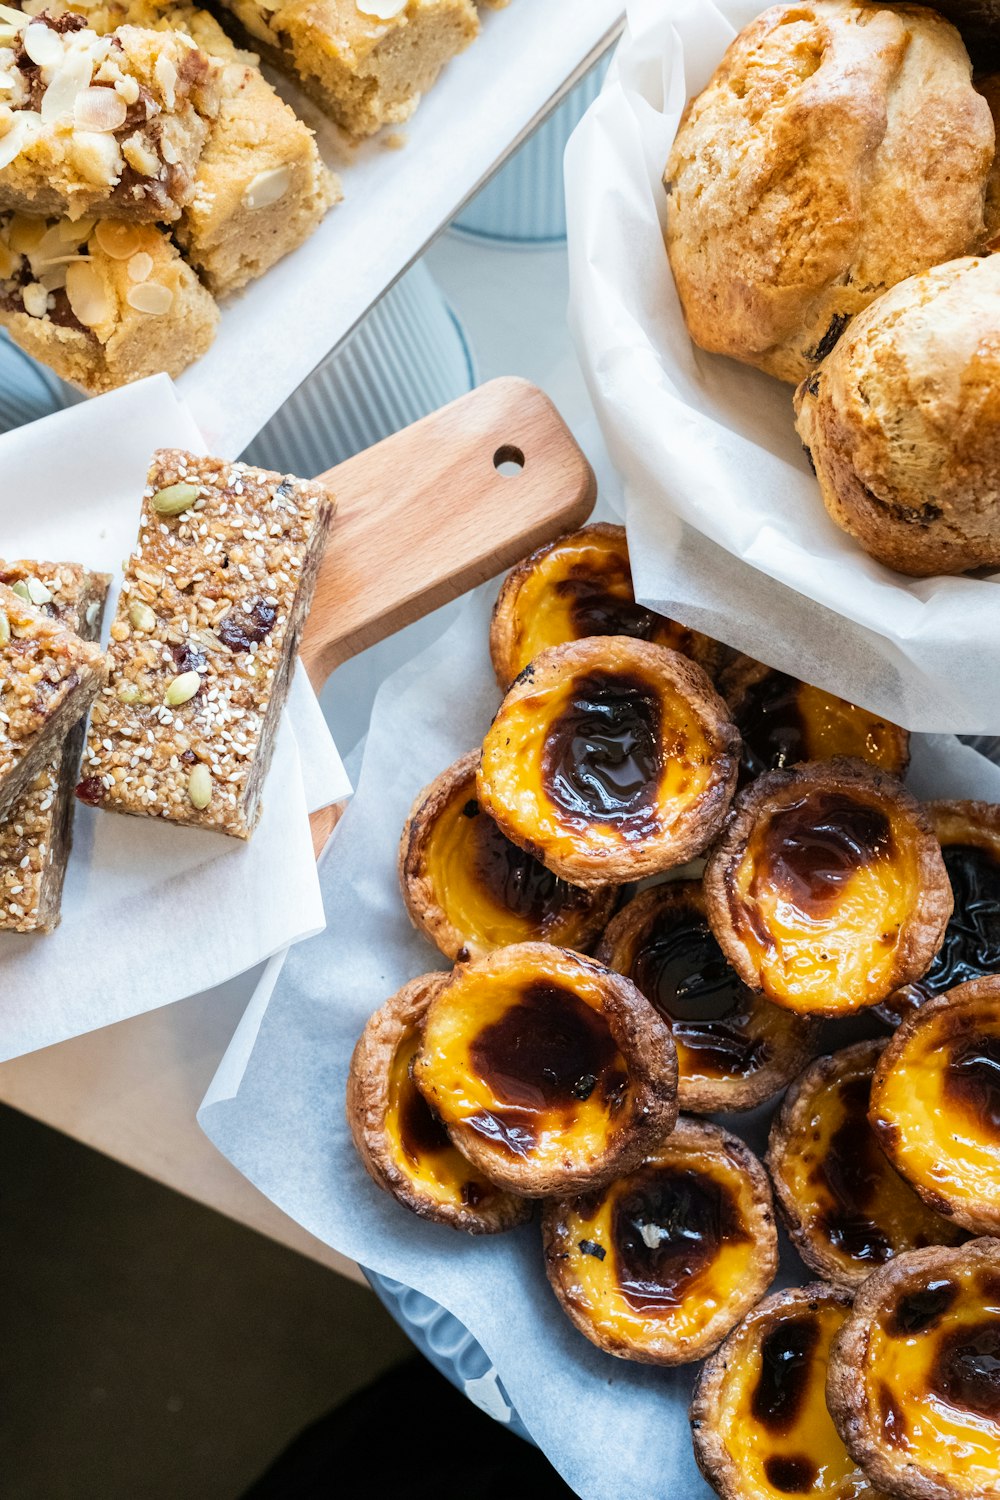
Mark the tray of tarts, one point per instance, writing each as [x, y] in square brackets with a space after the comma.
[666, 885]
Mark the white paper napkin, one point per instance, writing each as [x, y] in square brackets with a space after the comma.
[726, 525]
[151, 912]
[276, 1107]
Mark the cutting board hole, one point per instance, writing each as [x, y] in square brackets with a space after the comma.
[508, 461]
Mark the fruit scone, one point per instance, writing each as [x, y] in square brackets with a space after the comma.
[260, 187]
[111, 124]
[101, 303]
[366, 62]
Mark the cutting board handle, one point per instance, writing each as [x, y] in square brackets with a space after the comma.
[435, 509]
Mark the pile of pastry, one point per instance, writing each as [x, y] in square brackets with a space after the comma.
[833, 196]
[663, 870]
[147, 166]
[185, 704]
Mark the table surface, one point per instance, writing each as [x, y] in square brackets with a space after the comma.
[132, 1090]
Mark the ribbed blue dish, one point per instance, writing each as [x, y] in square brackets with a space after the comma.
[524, 204]
[407, 357]
[27, 390]
[449, 1346]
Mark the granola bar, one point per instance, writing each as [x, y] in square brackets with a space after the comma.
[112, 124]
[203, 642]
[366, 62]
[101, 304]
[48, 679]
[36, 835]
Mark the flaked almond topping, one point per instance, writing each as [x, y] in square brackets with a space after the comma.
[67, 82]
[381, 10]
[268, 187]
[86, 294]
[55, 279]
[139, 156]
[140, 266]
[43, 45]
[22, 131]
[99, 109]
[128, 88]
[4, 628]
[166, 77]
[16, 20]
[119, 241]
[150, 297]
[24, 233]
[73, 232]
[35, 299]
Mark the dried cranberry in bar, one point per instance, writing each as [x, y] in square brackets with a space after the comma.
[48, 679]
[203, 642]
[35, 837]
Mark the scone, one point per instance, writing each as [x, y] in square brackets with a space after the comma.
[837, 149]
[902, 422]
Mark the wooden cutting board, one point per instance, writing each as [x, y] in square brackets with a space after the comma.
[434, 510]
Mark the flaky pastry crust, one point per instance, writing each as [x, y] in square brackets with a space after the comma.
[610, 759]
[436, 1184]
[657, 1266]
[826, 888]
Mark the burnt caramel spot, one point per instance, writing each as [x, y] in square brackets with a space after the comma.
[792, 1474]
[966, 1370]
[668, 1226]
[919, 1312]
[421, 1133]
[603, 758]
[853, 1171]
[971, 946]
[812, 847]
[513, 878]
[972, 1081]
[770, 721]
[680, 968]
[596, 610]
[892, 1419]
[786, 1355]
[545, 1053]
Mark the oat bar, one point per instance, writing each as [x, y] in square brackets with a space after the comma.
[366, 62]
[101, 304]
[36, 834]
[203, 642]
[48, 679]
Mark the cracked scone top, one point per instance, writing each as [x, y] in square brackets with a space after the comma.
[902, 422]
[837, 149]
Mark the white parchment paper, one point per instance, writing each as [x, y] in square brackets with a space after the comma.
[151, 912]
[276, 1108]
[727, 528]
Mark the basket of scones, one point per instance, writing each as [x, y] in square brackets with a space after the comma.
[674, 884]
[788, 310]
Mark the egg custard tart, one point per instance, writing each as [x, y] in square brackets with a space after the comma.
[969, 835]
[550, 1073]
[784, 722]
[661, 1263]
[846, 1209]
[577, 586]
[827, 889]
[734, 1048]
[402, 1143]
[610, 759]
[935, 1103]
[470, 890]
[914, 1379]
[759, 1421]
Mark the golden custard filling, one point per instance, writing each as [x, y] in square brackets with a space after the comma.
[774, 1420]
[820, 897]
[529, 1066]
[582, 587]
[421, 1147]
[602, 760]
[939, 1103]
[660, 1253]
[493, 893]
[932, 1376]
[843, 1186]
[721, 1029]
[784, 721]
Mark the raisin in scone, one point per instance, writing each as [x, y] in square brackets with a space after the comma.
[837, 149]
[902, 422]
